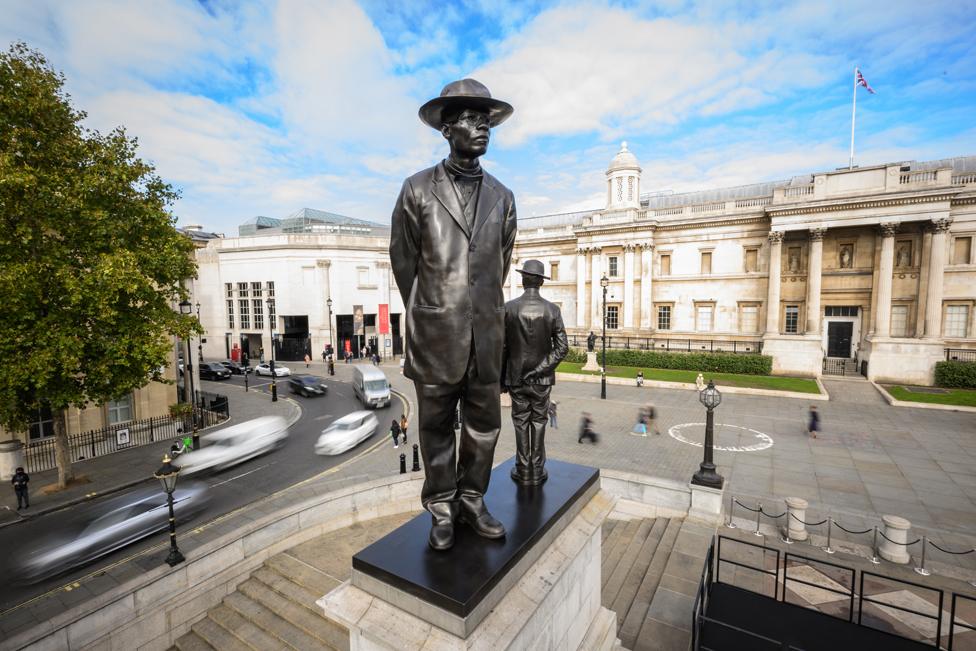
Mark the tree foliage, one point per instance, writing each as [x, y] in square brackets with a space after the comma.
[90, 261]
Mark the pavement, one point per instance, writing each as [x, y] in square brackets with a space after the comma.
[111, 473]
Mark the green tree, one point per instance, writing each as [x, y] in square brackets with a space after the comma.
[90, 261]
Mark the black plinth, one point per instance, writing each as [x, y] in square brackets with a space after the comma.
[457, 580]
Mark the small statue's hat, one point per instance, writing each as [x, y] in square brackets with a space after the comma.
[533, 268]
[465, 93]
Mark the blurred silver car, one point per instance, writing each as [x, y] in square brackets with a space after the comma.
[103, 527]
[235, 444]
[347, 432]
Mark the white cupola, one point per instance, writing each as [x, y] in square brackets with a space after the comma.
[623, 180]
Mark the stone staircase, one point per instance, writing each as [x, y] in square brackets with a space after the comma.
[651, 569]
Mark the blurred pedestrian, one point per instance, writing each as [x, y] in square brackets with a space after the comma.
[700, 382]
[395, 433]
[586, 428]
[19, 481]
[814, 425]
[403, 426]
[552, 414]
[331, 364]
[641, 426]
[308, 360]
[325, 355]
[640, 378]
[652, 419]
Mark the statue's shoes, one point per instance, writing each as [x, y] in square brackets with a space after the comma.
[441, 535]
[484, 524]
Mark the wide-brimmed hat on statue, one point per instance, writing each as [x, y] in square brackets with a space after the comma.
[533, 268]
[465, 93]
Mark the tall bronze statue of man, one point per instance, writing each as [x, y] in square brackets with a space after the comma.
[453, 231]
[535, 343]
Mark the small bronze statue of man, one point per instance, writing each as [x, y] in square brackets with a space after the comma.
[591, 342]
[452, 236]
[535, 343]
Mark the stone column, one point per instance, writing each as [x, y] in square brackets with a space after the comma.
[813, 280]
[647, 298]
[628, 286]
[581, 287]
[933, 298]
[772, 291]
[596, 292]
[886, 267]
[923, 282]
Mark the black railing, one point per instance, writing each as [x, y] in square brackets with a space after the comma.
[860, 602]
[839, 366]
[960, 355]
[39, 455]
[739, 347]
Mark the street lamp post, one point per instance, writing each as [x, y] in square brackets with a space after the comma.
[706, 475]
[244, 362]
[604, 282]
[196, 424]
[189, 395]
[167, 475]
[274, 378]
[328, 303]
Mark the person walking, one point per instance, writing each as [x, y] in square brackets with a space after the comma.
[814, 425]
[641, 427]
[552, 414]
[640, 378]
[403, 426]
[586, 428]
[19, 482]
[331, 364]
[395, 433]
[651, 419]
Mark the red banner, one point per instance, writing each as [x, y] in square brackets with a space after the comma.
[384, 324]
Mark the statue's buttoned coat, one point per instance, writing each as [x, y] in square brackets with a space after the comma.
[535, 340]
[450, 278]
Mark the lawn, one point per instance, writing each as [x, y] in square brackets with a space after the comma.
[957, 397]
[777, 383]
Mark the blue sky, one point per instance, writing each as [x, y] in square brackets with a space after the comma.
[266, 107]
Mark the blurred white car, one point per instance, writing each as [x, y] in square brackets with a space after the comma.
[265, 369]
[235, 444]
[347, 432]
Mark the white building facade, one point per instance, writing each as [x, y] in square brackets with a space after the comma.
[867, 270]
[281, 280]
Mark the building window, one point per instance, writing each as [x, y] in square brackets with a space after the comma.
[665, 264]
[271, 289]
[752, 260]
[706, 262]
[899, 320]
[962, 248]
[229, 290]
[612, 266]
[554, 270]
[230, 314]
[663, 317]
[840, 310]
[749, 319]
[703, 317]
[120, 411]
[256, 290]
[613, 312]
[43, 425]
[956, 321]
[258, 314]
[242, 290]
[792, 319]
[244, 311]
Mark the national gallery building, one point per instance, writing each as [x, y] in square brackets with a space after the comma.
[868, 270]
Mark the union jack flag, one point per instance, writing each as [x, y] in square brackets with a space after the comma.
[861, 81]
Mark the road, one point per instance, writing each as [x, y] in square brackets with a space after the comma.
[229, 490]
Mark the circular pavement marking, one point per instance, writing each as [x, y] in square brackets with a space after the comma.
[764, 440]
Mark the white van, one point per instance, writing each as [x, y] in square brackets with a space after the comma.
[371, 386]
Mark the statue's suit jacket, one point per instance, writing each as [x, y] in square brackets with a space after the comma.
[535, 340]
[451, 279]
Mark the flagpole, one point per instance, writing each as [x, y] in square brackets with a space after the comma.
[853, 116]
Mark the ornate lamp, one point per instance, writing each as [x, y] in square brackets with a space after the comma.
[706, 475]
[604, 283]
[167, 475]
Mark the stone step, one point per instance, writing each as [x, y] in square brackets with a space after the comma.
[606, 530]
[338, 635]
[617, 543]
[612, 587]
[287, 635]
[310, 624]
[217, 636]
[310, 578]
[633, 619]
[191, 642]
[638, 570]
[242, 629]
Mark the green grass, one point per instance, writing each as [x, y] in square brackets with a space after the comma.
[958, 397]
[777, 383]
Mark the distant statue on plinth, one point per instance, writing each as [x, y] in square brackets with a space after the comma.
[452, 235]
[535, 343]
[591, 342]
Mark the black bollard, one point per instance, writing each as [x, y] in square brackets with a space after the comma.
[416, 459]
[403, 464]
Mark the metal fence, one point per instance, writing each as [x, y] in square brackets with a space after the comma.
[210, 409]
[746, 347]
[960, 355]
